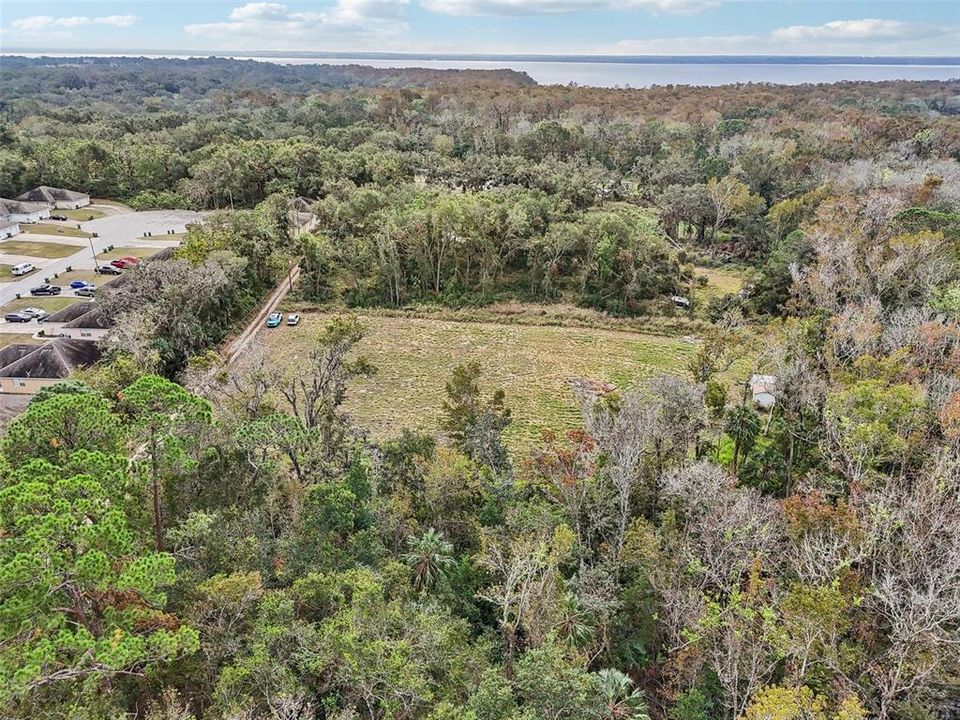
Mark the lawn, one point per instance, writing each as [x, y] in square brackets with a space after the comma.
[6, 274]
[64, 279]
[38, 249]
[533, 364]
[51, 229]
[19, 338]
[118, 252]
[50, 304]
[81, 215]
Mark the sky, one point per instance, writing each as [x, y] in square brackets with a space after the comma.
[616, 27]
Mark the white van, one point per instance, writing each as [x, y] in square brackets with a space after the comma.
[22, 269]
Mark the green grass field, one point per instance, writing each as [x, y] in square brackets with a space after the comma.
[51, 229]
[533, 364]
[81, 215]
[38, 249]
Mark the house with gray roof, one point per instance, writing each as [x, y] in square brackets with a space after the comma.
[19, 211]
[25, 368]
[57, 197]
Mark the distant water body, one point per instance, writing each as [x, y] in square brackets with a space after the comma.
[611, 74]
[636, 72]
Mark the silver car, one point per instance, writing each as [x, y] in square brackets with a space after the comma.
[293, 319]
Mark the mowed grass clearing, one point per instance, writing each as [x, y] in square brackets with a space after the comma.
[533, 364]
[51, 229]
[37, 249]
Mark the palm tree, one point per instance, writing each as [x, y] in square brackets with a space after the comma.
[621, 700]
[430, 556]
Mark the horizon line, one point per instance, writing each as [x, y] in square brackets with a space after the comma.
[468, 56]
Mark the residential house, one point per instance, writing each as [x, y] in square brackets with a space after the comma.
[26, 368]
[19, 211]
[8, 228]
[58, 197]
[82, 320]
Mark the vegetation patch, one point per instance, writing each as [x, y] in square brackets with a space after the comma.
[415, 357]
[37, 249]
[82, 214]
[51, 229]
[50, 304]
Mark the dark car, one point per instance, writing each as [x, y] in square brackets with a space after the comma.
[18, 317]
[46, 290]
[58, 217]
[108, 270]
[87, 291]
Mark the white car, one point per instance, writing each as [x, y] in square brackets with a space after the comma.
[293, 319]
[37, 313]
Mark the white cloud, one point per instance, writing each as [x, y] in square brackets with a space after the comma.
[260, 25]
[869, 36]
[866, 29]
[44, 23]
[544, 7]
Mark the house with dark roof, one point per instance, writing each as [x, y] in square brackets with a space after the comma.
[82, 320]
[26, 368]
[57, 197]
[19, 211]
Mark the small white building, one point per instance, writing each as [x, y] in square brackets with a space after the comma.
[764, 389]
[56, 197]
[8, 228]
[19, 211]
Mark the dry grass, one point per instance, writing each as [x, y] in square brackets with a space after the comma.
[81, 215]
[119, 252]
[20, 338]
[6, 273]
[64, 279]
[38, 249]
[50, 304]
[54, 230]
[533, 364]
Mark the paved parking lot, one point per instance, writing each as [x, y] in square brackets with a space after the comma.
[120, 230]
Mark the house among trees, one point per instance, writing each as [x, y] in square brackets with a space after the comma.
[57, 197]
[25, 368]
[764, 389]
[19, 211]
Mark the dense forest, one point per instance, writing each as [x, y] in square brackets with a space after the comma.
[182, 538]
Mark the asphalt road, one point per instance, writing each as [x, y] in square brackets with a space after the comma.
[120, 230]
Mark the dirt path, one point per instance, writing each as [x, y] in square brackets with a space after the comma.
[236, 346]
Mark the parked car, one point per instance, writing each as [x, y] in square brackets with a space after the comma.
[274, 320]
[46, 290]
[77, 284]
[125, 262]
[293, 319]
[22, 269]
[58, 217]
[86, 291]
[18, 317]
[107, 270]
[39, 313]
